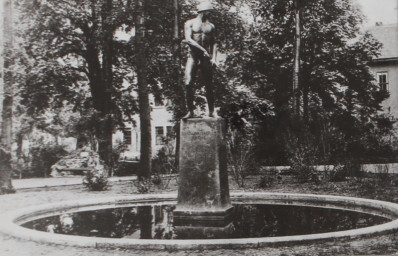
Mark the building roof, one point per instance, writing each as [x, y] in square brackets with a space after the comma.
[388, 36]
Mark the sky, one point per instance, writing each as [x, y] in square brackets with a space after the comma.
[375, 10]
[379, 10]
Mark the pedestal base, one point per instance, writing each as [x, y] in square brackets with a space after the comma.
[203, 181]
[189, 232]
[203, 208]
[203, 218]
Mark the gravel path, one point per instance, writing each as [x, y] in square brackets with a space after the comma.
[13, 247]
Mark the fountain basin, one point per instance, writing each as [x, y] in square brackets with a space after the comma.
[11, 221]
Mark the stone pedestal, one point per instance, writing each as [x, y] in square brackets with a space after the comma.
[203, 205]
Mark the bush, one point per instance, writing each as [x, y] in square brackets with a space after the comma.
[164, 161]
[305, 173]
[302, 165]
[43, 158]
[368, 187]
[95, 180]
[164, 164]
[126, 168]
[338, 174]
[143, 185]
[269, 177]
[302, 154]
[266, 181]
[353, 169]
[116, 166]
[240, 154]
[157, 180]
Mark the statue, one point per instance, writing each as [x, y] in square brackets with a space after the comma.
[202, 53]
[204, 207]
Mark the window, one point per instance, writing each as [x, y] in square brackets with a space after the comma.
[158, 102]
[127, 136]
[170, 131]
[159, 131]
[382, 80]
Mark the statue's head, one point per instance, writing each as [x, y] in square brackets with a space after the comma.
[205, 6]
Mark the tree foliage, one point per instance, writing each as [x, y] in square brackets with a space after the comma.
[338, 97]
[70, 54]
[83, 54]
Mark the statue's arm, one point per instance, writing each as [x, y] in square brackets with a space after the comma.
[190, 41]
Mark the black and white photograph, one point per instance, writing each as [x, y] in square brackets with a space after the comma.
[198, 127]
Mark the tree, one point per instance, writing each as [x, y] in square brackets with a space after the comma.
[296, 69]
[336, 85]
[177, 66]
[69, 50]
[8, 95]
[105, 138]
[143, 97]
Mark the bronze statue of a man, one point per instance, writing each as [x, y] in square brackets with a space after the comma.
[202, 53]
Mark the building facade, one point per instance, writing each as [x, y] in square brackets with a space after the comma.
[385, 67]
[162, 128]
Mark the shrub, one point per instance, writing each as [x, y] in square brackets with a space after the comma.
[383, 175]
[353, 169]
[240, 154]
[126, 168]
[143, 185]
[95, 180]
[302, 165]
[302, 154]
[157, 180]
[164, 162]
[368, 187]
[43, 158]
[266, 181]
[269, 177]
[305, 173]
[116, 167]
[338, 174]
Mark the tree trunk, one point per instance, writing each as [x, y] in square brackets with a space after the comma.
[144, 214]
[6, 125]
[305, 85]
[105, 140]
[296, 68]
[181, 109]
[5, 172]
[100, 75]
[143, 97]
[105, 136]
[306, 82]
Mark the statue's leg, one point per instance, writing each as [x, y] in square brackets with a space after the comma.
[207, 77]
[190, 71]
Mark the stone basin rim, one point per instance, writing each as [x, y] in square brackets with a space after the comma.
[9, 221]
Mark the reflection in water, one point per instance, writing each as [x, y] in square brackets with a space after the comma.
[155, 222]
[145, 221]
